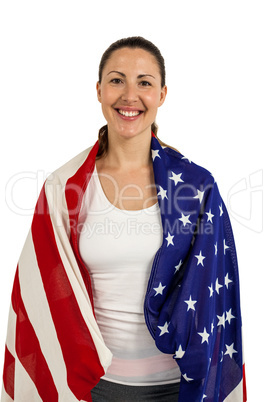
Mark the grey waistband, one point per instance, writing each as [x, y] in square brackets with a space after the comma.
[107, 391]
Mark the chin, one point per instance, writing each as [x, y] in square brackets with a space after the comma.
[129, 133]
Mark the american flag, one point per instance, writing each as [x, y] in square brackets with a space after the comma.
[54, 349]
[192, 306]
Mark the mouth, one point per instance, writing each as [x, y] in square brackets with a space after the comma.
[129, 113]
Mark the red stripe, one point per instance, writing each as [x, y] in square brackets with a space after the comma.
[9, 373]
[244, 385]
[82, 363]
[74, 192]
[28, 349]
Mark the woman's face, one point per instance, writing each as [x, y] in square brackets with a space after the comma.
[130, 92]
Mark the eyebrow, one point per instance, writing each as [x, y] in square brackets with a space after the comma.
[124, 75]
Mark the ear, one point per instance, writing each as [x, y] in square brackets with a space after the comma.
[98, 88]
[163, 95]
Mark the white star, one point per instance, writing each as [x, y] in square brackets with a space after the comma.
[227, 280]
[204, 396]
[162, 193]
[177, 267]
[187, 378]
[225, 247]
[190, 303]
[185, 219]
[216, 248]
[155, 154]
[221, 210]
[176, 177]
[163, 329]
[200, 195]
[221, 320]
[211, 290]
[218, 286]
[179, 353]
[200, 258]
[229, 316]
[169, 239]
[210, 216]
[230, 350]
[159, 290]
[204, 335]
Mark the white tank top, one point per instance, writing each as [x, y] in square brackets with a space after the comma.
[118, 248]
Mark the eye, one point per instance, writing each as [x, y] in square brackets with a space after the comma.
[145, 83]
[116, 81]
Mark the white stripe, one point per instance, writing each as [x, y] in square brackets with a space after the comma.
[10, 344]
[25, 389]
[236, 395]
[4, 396]
[74, 275]
[35, 301]
[57, 182]
[11, 332]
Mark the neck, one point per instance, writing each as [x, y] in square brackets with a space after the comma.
[129, 153]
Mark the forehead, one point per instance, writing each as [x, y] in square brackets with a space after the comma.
[128, 59]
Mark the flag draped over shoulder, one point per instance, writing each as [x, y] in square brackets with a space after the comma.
[196, 316]
[54, 349]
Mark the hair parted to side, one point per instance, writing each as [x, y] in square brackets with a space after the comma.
[134, 42]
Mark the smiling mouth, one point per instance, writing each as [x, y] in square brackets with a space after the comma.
[129, 113]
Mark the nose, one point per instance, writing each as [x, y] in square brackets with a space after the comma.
[130, 93]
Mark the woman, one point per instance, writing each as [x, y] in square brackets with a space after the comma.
[127, 287]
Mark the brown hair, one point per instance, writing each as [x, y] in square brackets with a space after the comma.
[133, 43]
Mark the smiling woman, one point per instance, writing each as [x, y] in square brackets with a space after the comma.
[143, 78]
[127, 287]
[130, 93]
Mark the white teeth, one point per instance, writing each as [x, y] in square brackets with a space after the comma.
[128, 114]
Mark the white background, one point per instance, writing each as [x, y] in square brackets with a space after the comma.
[215, 114]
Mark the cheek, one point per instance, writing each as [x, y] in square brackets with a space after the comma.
[108, 96]
[152, 99]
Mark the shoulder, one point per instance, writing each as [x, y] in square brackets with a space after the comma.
[192, 182]
[69, 169]
[191, 172]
